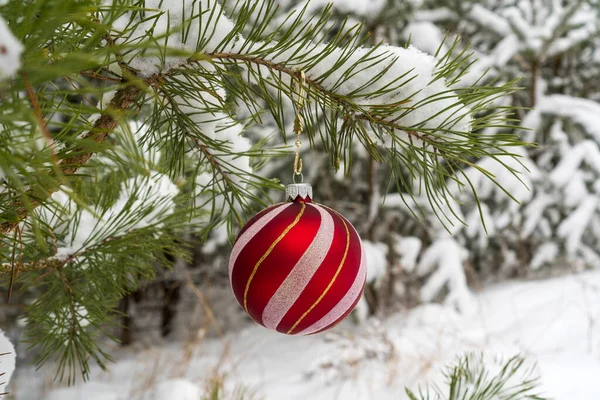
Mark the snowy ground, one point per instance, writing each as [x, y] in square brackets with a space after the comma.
[555, 323]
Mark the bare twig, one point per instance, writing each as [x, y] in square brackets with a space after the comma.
[209, 313]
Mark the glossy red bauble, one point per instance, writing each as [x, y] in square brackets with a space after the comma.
[298, 267]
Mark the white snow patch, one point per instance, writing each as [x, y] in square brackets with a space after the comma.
[573, 227]
[408, 249]
[174, 17]
[444, 260]
[143, 201]
[8, 358]
[425, 35]
[10, 51]
[546, 253]
[376, 256]
[366, 9]
[418, 68]
[533, 213]
[490, 20]
[177, 389]
[570, 163]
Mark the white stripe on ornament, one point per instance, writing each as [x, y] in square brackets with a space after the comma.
[250, 233]
[298, 278]
[345, 303]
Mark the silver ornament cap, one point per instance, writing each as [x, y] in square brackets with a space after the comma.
[295, 190]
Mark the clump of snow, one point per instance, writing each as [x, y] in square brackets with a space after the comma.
[366, 9]
[546, 253]
[490, 20]
[573, 227]
[10, 51]
[518, 184]
[376, 256]
[570, 163]
[425, 35]
[8, 358]
[533, 212]
[171, 23]
[143, 201]
[444, 261]
[157, 191]
[408, 249]
[176, 389]
[149, 151]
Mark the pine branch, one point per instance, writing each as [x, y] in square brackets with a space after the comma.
[122, 101]
[211, 158]
[295, 73]
[217, 167]
[470, 379]
[101, 129]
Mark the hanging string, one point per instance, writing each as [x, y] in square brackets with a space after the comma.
[299, 124]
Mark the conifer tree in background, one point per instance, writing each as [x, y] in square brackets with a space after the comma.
[179, 128]
[553, 45]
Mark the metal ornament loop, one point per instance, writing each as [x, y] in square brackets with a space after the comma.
[301, 175]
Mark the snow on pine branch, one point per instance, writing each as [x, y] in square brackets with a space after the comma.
[444, 259]
[142, 202]
[8, 358]
[408, 248]
[405, 80]
[10, 51]
[430, 105]
[490, 20]
[545, 28]
[586, 151]
[584, 112]
[573, 227]
[211, 188]
[376, 255]
[366, 9]
[541, 28]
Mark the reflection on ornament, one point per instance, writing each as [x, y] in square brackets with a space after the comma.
[298, 267]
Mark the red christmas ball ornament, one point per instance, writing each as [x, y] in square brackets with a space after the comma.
[298, 267]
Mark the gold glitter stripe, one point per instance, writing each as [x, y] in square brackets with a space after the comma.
[332, 280]
[269, 250]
